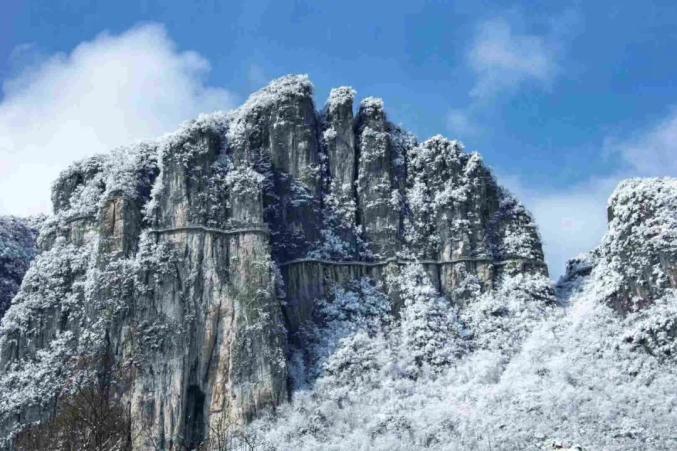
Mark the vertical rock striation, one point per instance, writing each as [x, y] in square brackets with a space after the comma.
[380, 176]
[17, 249]
[636, 262]
[190, 262]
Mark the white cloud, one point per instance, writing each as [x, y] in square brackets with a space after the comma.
[573, 220]
[460, 123]
[570, 221]
[654, 152]
[503, 59]
[112, 90]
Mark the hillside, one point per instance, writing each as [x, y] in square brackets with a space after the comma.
[297, 278]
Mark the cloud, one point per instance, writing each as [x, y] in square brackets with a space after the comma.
[112, 90]
[653, 152]
[460, 123]
[503, 59]
[574, 220]
[570, 221]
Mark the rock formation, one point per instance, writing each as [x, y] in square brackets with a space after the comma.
[17, 249]
[634, 270]
[192, 262]
[507, 368]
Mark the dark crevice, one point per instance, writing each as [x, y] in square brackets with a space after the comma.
[194, 423]
[356, 172]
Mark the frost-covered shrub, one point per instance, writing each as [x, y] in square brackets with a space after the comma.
[654, 329]
[382, 370]
[430, 328]
[500, 320]
[344, 326]
[532, 376]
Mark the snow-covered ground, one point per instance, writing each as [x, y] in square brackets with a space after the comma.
[508, 371]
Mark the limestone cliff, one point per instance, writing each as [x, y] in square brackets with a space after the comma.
[192, 262]
[634, 269]
[17, 249]
[507, 368]
[638, 255]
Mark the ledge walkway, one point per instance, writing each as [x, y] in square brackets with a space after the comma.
[262, 229]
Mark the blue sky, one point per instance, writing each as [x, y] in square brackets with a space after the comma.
[562, 99]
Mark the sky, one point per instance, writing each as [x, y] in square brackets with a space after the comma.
[562, 99]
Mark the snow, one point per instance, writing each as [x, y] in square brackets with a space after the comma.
[524, 380]
[390, 363]
[371, 105]
[519, 369]
[340, 96]
[289, 86]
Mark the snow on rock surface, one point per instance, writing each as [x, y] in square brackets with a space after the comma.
[324, 280]
[641, 246]
[515, 373]
[17, 249]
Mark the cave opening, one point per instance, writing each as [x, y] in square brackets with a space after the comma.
[194, 417]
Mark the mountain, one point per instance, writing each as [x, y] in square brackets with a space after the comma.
[280, 277]
[595, 371]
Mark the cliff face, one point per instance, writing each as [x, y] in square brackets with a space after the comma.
[637, 258]
[397, 366]
[192, 263]
[17, 249]
[634, 270]
[641, 245]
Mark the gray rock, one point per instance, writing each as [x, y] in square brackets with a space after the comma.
[640, 247]
[192, 261]
[380, 177]
[17, 249]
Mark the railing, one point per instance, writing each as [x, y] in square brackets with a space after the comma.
[198, 228]
[262, 229]
[405, 261]
[79, 218]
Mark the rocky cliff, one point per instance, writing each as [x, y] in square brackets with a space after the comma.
[17, 249]
[509, 368]
[634, 270]
[190, 264]
[292, 278]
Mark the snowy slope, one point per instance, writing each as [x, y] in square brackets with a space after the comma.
[505, 372]
[322, 280]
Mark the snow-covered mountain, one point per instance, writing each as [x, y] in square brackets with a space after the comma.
[279, 277]
[507, 370]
